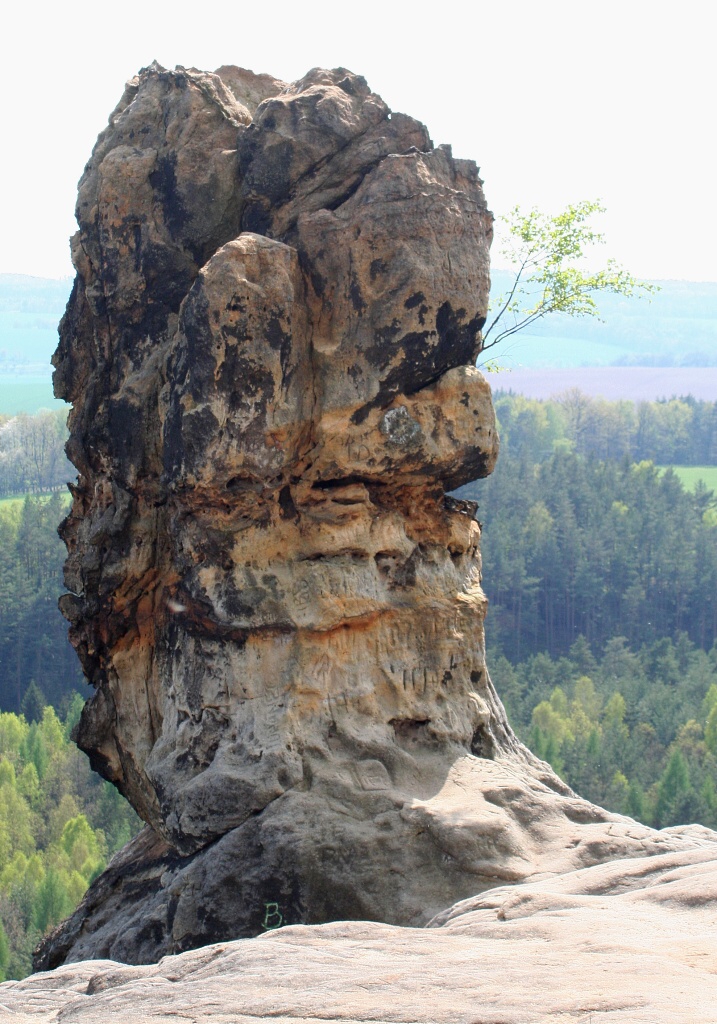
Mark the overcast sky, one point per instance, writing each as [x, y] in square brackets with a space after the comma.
[556, 101]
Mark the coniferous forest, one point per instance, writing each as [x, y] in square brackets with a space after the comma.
[585, 536]
[600, 565]
[37, 664]
[601, 573]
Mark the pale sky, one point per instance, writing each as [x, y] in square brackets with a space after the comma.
[556, 101]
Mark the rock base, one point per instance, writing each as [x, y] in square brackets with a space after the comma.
[630, 942]
[397, 852]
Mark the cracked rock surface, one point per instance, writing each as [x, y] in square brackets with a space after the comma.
[270, 349]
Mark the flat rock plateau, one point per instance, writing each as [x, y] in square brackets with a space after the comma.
[270, 351]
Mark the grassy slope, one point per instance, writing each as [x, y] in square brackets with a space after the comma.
[690, 475]
[16, 500]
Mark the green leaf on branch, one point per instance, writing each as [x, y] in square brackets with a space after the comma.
[543, 251]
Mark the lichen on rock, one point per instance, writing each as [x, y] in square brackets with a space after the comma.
[270, 349]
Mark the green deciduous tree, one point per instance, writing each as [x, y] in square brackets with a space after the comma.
[545, 253]
[58, 824]
[598, 733]
[53, 901]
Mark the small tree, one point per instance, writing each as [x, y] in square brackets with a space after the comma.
[52, 903]
[673, 792]
[543, 251]
[33, 703]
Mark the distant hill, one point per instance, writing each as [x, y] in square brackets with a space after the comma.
[676, 327]
[631, 383]
[30, 309]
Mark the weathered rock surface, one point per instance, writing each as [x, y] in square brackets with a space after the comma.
[270, 353]
[632, 941]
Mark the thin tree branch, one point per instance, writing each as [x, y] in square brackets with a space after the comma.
[508, 301]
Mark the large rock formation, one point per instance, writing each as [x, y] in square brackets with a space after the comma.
[270, 352]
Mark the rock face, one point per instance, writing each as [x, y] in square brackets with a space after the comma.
[630, 942]
[270, 352]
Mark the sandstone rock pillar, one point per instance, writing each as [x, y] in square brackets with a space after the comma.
[270, 350]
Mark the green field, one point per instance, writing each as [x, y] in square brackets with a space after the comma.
[689, 475]
[26, 394]
[16, 500]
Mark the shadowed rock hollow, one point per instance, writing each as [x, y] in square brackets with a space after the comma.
[270, 350]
